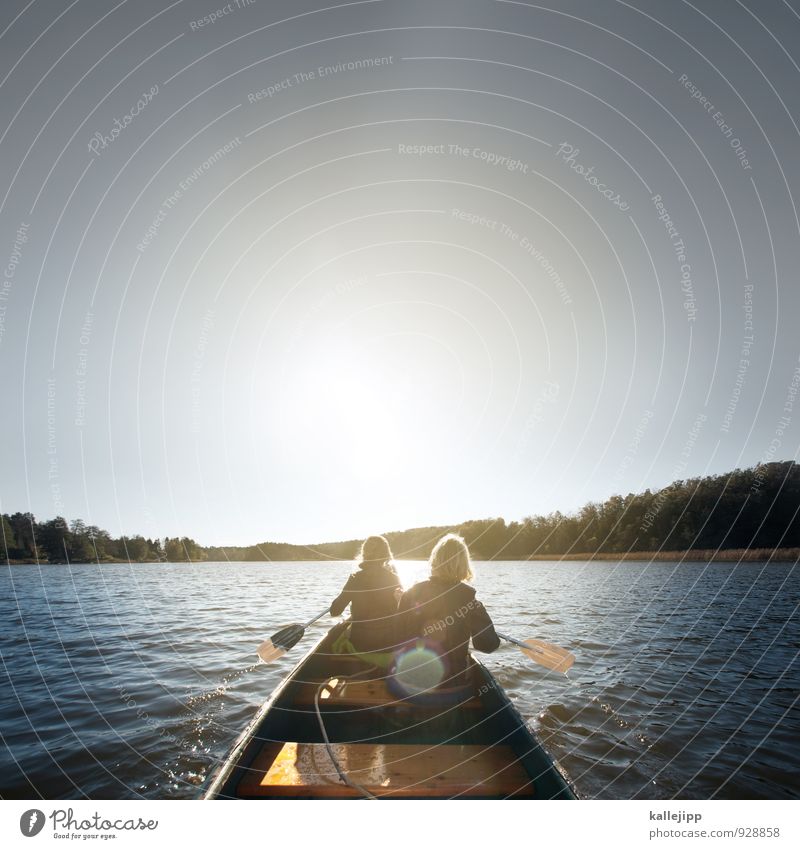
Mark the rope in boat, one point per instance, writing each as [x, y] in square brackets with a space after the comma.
[342, 774]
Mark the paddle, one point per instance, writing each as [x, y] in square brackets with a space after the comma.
[281, 641]
[545, 654]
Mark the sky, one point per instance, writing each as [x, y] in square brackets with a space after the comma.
[302, 272]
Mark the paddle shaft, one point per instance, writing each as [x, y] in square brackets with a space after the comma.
[545, 654]
[512, 640]
[312, 621]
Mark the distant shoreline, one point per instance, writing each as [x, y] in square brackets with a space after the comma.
[750, 514]
[729, 555]
[725, 555]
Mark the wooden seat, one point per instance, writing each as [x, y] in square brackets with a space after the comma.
[305, 770]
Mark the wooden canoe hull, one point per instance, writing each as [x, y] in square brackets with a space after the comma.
[471, 745]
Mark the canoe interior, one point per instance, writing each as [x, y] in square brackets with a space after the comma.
[470, 744]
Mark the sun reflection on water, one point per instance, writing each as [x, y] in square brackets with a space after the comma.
[411, 572]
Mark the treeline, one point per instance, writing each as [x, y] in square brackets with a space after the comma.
[285, 551]
[746, 509]
[59, 541]
[753, 508]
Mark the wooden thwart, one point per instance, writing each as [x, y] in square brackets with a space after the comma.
[305, 770]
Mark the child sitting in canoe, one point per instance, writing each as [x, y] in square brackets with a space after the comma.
[372, 594]
[437, 619]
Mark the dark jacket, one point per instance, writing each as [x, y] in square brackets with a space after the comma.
[447, 615]
[370, 592]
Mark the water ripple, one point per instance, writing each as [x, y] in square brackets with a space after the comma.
[120, 682]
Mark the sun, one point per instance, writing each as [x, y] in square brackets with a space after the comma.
[350, 409]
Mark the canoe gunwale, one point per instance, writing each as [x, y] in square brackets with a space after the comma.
[503, 698]
[236, 756]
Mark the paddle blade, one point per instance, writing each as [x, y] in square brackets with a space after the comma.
[268, 652]
[280, 642]
[548, 655]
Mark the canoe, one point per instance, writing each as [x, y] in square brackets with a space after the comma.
[471, 743]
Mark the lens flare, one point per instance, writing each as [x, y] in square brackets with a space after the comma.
[418, 669]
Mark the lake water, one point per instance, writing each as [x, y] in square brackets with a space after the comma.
[123, 681]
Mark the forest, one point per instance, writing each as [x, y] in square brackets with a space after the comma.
[746, 509]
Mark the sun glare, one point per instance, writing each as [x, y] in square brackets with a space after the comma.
[356, 411]
[411, 572]
[363, 422]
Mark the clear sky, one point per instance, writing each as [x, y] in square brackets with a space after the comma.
[301, 272]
